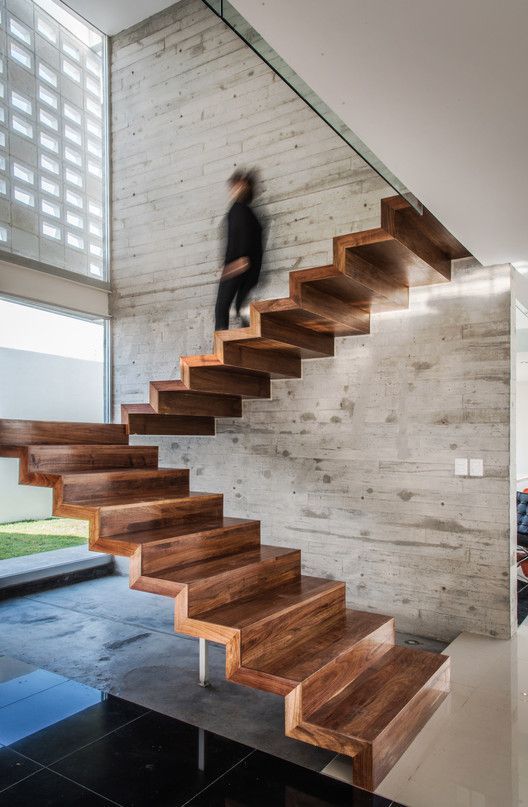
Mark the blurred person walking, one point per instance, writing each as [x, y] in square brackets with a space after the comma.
[243, 258]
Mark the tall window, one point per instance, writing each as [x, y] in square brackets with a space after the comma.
[52, 137]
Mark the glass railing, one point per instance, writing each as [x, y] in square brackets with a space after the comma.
[251, 37]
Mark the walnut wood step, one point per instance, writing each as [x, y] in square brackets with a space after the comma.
[45, 462]
[226, 578]
[124, 485]
[142, 419]
[255, 353]
[118, 519]
[193, 526]
[319, 661]
[208, 374]
[26, 432]
[361, 288]
[422, 234]
[284, 319]
[173, 398]
[259, 624]
[168, 549]
[379, 713]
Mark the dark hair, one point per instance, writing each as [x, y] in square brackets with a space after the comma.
[235, 177]
[250, 179]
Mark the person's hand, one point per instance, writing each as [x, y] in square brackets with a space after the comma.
[235, 268]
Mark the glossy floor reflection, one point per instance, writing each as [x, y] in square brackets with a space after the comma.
[474, 751]
[64, 743]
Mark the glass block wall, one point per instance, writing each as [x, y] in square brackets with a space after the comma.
[52, 145]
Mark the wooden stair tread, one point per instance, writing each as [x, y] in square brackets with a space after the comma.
[365, 708]
[174, 398]
[119, 504]
[206, 373]
[225, 563]
[261, 606]
[362, 286]
[178, 530]
[127, 485]
[285, 310]
[325, 644]
[401, 264]
[14, 433]
[54, 460]
[143, 419]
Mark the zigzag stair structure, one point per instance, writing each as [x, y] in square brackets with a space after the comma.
[347, 686]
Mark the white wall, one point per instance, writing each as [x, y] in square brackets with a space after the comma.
[39, 386]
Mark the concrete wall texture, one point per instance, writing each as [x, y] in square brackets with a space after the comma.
[354, 463]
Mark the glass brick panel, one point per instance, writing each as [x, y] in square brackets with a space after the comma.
[56, 102]
[21, 55]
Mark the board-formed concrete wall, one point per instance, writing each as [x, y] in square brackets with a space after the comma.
[354, 463]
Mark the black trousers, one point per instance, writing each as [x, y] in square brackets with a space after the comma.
[235, 287]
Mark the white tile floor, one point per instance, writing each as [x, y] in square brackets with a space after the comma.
[474, 751]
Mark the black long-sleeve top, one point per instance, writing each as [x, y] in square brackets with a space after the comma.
[244, 236]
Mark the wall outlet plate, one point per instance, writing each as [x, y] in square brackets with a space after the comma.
[461, 466]
[476, 467]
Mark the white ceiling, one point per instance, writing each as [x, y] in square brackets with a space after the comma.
[436, 89]
[113, 16]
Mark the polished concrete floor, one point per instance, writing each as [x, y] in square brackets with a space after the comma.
[474, 751]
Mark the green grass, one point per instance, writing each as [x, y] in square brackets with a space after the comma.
[30, 537]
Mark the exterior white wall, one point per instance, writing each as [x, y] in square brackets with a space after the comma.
[38, 386]
[353, 463]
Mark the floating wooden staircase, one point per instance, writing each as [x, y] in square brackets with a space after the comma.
[347, 686]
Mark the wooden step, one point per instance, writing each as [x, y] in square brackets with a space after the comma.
[15, 433]
[142, 419]
[239, 348]
[173, 398]
[162, 553]
[193, 527]
[355, 637]
[285, 320]
[225, 578]
[42, 464]
[379, 713]
[362, 288]
[422, 234]
[119, 519]
[261, 623]
[208, 374]
[124, 485]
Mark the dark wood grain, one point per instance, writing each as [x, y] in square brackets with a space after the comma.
[141, 419]
[173, 398]
[27, 432]
[208, 374]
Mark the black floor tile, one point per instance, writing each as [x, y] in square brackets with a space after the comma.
[13, 767]
[156, 760]
[265, 781]
[27, 716]
[26, 684]
[69, 735]
[48, 789]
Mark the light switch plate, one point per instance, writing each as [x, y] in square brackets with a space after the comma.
[461, 466]
[476, 467]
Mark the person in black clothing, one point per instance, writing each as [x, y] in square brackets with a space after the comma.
[243, 259]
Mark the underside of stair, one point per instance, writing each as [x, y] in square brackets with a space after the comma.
[348, 688]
